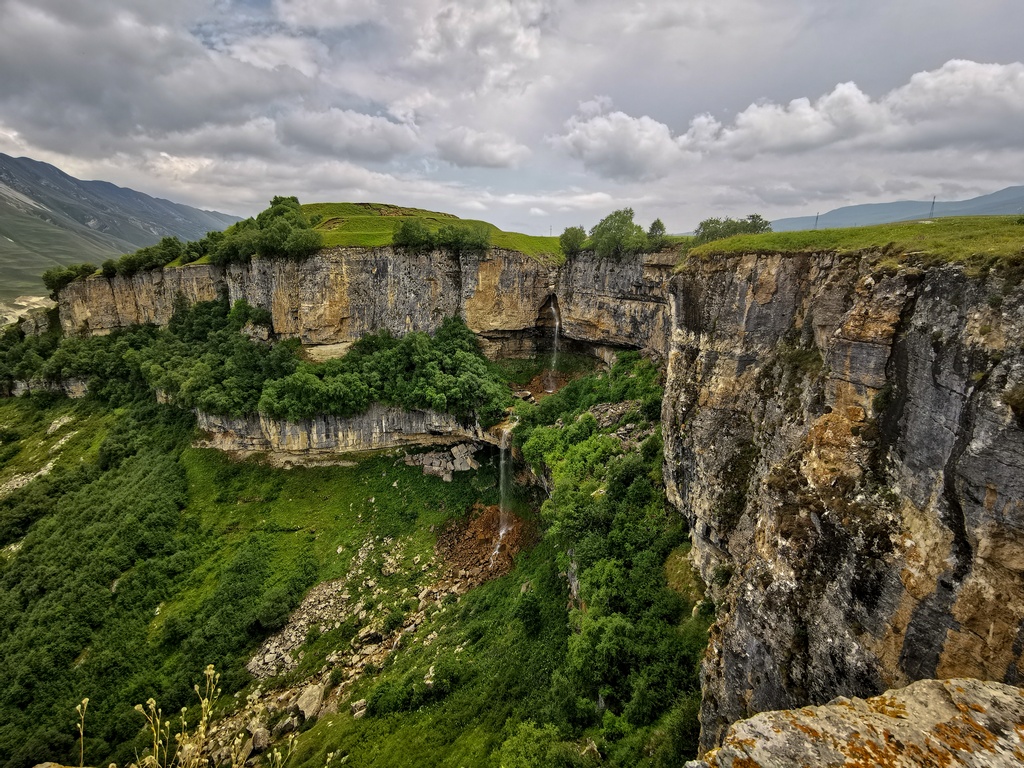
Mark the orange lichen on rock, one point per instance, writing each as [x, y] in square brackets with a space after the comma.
[960, 723]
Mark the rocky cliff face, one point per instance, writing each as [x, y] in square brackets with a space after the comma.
[341, 294]
[952, 723]
[839, 432]
[379, 427]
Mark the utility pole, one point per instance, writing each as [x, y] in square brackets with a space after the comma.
[931, 213]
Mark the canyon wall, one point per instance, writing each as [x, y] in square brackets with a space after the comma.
[379, 427]
[341, 294]
[839, 433]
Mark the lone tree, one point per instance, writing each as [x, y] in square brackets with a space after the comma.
[572, 240]
[656, 235]
[617, 235]
[716, 229]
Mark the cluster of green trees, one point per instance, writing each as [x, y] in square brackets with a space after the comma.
[718, 229]
[202, 360]
[415, 236]
[615, 236]
[280, 231]
[632, 658]
[56, 278]
[445, 373]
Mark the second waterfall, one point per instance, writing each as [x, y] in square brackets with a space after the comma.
[557, 323]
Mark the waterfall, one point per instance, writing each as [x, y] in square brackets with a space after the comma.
[557, 322]
[502, 479]
[503, 468]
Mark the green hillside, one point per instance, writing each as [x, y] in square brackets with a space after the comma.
[970, 239]
[30, 245]
[373, 224]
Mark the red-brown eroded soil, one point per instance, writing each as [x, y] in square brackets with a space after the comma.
[470, 549]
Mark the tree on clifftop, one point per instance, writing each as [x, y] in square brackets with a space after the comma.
[717, 229]
[572, 240]
[617, 235]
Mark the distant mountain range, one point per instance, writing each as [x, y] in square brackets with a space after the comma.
[49, 218]
[1007, 201]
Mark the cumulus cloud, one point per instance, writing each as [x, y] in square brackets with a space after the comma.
[963, 103]
[467, 148]
[617, 145]
[347, 133]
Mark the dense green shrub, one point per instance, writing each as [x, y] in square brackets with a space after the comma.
[445, 373]
[56, 278]
[718, 229]
[616, 235]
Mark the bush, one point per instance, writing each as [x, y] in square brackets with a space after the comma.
[461, 239]
[572, 240]
[717, 229]
[57, 278]
[413, 235]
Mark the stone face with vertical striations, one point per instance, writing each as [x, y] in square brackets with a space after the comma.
[837, 435]
[341, 294]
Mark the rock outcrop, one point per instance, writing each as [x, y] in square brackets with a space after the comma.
[839, 433]
[378, 428]
[949, 723]
[341, 294]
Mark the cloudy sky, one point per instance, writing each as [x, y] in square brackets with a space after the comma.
[532, 114]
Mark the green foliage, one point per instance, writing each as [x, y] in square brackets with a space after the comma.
[414, 235]
[719, 229]
[56, 278]
[463, 239]
[656, 235]
[572, 240]
[280, 231]
[616, 235]
[445, 373]
[135, 571]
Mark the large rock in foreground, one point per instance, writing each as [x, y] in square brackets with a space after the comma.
[948, 723]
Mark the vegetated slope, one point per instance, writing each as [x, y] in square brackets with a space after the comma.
[374, 224]
[974, 240]
[49, 218]
[159, 558]
[1005, 202]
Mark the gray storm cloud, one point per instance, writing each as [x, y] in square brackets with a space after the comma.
[716, 108]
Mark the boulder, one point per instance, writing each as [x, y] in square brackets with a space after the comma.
[309, 701]
[958, 723]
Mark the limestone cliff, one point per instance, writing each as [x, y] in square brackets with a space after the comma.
[951, 723]
[838, 434]
[341, 294]
[378, 428]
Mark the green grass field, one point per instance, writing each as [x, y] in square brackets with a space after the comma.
[969, 239]
[373, 224]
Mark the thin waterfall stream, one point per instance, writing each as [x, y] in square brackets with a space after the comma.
[503, 461]
[557, 322]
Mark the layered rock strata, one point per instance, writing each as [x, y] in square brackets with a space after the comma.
[378, 428]
[951, 723]
[341, 294]
[839, 431]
